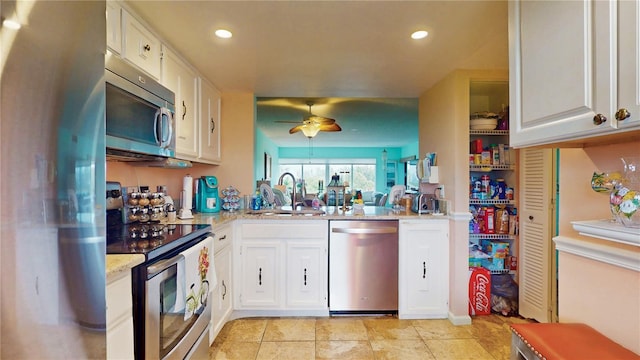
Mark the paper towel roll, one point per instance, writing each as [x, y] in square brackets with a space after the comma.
[187, 192]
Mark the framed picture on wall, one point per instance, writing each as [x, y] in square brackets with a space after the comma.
[267, 166]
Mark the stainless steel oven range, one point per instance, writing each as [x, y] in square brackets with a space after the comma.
[171, 305]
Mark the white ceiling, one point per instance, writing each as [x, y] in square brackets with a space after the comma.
[332, 52]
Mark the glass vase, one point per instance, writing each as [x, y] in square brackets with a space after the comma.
[625, 197]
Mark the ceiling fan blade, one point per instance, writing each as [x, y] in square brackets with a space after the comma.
[287, 121]
[295, 129]
[319, 120]
[330, 127]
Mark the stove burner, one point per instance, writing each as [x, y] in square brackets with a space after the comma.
[152, 239]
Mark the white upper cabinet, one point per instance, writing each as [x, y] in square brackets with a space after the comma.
[140, 46]
[629, 62]
[114, 27]
[178, 76]
[209, 123]
[569, 75]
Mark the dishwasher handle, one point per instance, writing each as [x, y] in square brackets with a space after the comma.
[380, 230]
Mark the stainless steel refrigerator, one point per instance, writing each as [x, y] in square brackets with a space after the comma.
[52, 158]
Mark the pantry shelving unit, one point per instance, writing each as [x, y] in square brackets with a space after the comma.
[506, 170]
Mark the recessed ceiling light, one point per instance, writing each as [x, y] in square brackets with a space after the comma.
[11, 24]
[224, 34]
[421, 34]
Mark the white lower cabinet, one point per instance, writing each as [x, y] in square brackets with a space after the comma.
[120, 319]
[222, 293]
[306, 274]
[424, 269]
[261, 273]
[281, 265]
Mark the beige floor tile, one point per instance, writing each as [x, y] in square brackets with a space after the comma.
[364, 338]
[234, 350]
[290, 329]
[400, 350]
[246, 330]
[488, 324]
[287, 350]
[352, 350]
[380, 329]
[341, 329]
[458, 349]
[498, 344]
[441, 329]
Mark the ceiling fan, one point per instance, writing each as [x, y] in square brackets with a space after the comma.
[312, 124]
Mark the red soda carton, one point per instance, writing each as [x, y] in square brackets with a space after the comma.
[480, 292]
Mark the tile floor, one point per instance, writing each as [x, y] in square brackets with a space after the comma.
[488, 337]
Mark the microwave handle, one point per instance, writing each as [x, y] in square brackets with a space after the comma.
[167, 140]
[161, 139]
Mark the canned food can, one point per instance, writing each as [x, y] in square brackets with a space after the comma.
[509, 193]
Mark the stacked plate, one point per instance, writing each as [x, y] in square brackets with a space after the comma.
[483, 121]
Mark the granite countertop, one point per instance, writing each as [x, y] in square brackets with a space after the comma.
[331, 213]
[118, 265]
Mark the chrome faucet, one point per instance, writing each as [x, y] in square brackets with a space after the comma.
[293, 190]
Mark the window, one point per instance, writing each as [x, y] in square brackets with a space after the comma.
[411, 177]
[361, 174]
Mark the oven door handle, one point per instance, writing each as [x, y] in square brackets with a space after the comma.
[162, 265]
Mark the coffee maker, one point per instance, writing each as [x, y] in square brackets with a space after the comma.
[207, 198]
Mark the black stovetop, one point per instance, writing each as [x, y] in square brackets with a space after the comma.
[152, 239]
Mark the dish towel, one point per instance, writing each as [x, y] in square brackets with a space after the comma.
[199, 276]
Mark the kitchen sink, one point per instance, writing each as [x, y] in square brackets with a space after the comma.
[286, 212]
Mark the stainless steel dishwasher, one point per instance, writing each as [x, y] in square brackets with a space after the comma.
[363, 267]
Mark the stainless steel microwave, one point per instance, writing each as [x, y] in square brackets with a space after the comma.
[139, 114]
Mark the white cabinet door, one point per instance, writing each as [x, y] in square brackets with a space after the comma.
[183, 80]
[261, 262]
[424, 275]
[114, 27]
[140, 46]
[209, 123]
[120, 319]
[629, 62]
[306, 274]
[222, 294]
[560, 70]
[281, 265]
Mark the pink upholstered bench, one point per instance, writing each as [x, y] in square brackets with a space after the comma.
[564, 342]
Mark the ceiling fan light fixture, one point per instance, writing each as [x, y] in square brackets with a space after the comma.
[310, 129]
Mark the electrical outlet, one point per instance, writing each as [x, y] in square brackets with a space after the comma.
[441, 188]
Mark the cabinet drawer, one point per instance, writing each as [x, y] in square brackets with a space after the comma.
[222, 237]
[290, 229]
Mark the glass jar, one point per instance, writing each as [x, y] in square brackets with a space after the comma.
[625, 197]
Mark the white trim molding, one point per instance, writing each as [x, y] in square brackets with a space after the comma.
[460, 216]
[459, 319]
[607, 254]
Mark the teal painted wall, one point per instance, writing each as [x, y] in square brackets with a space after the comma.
[264, 145]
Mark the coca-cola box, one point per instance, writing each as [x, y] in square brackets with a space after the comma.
[480, 292]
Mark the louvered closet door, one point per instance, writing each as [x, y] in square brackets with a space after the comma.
[536, 190]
